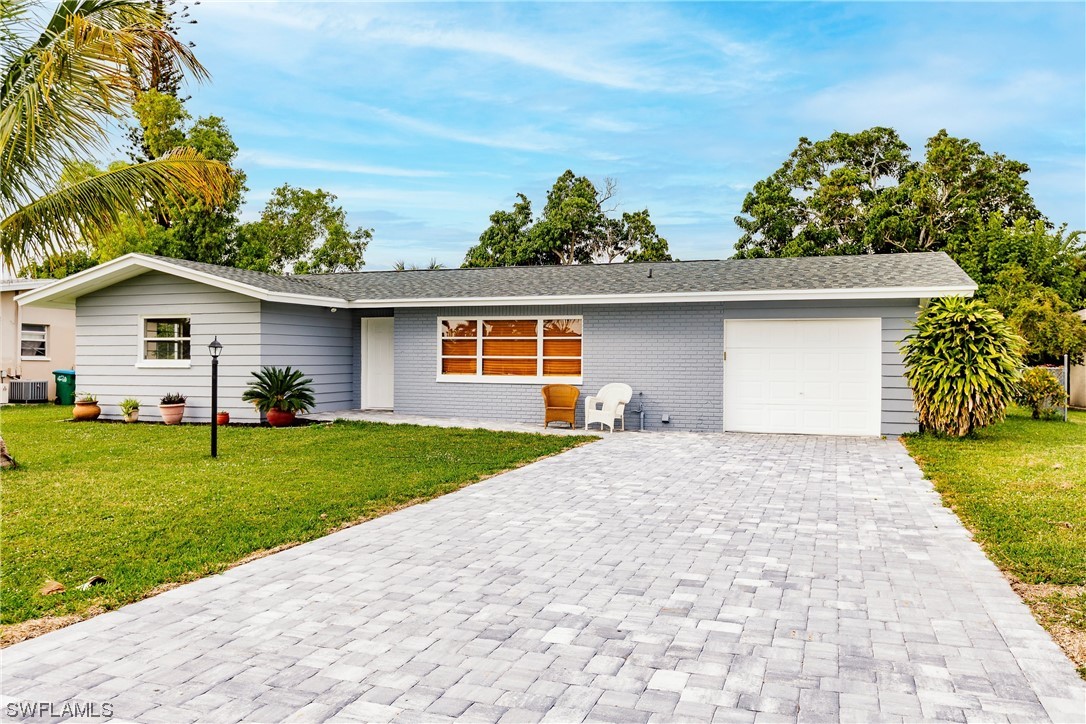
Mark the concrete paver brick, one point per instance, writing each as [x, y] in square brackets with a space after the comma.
[657, 577]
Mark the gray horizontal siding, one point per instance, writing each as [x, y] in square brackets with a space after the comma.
[671, 353]
[319, 342]
[898, 410]
[107, 345]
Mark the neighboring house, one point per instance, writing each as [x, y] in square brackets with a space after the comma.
[33, 341]
[1077, 379]
[806, 345]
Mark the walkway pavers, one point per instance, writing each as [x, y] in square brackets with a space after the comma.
[642, 578]
[398, 418]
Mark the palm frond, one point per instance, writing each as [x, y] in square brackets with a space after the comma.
[91, 207]
[60, 95]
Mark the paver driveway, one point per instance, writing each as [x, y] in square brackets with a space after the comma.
[642, 578]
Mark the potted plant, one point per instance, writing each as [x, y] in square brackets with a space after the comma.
[86, 407]
[222, 418]
[280, 393]
[172, 407]
[131, 409]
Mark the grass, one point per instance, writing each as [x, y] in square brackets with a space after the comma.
[145, 505]
[1020, 486]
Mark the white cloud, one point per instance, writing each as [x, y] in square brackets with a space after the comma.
[275, 160]
[921, 101]
[522, 138]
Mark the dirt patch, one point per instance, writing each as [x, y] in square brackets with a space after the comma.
[1061, 610]
[16, 632]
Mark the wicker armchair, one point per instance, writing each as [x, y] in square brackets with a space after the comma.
[608, 405]
[560, 404]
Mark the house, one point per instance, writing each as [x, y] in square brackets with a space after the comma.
[804, 345]
[1076, 382]
[34, 341]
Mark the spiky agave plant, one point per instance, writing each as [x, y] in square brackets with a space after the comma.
[280, 388]
[962, 361]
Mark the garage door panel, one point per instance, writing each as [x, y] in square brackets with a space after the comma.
[812, 391]
[818, 361]
[856, 392]
[780, 391]
[816, 419]
[782, 361]
[803, 376]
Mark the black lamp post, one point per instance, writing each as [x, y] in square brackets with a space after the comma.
[215, 348]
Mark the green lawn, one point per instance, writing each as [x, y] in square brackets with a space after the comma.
[145, 505]
[1020, 486]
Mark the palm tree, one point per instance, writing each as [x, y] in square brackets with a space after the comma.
[61, 94]
[63, 88]
[401, 265]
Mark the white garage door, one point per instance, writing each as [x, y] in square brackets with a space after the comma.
[819, 377]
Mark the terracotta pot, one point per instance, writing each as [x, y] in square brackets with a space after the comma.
[172, 414]
[222, 418]
[278, 418]
[132, 416]
[86, 411]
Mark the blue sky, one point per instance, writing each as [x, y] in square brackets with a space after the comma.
[425, 118]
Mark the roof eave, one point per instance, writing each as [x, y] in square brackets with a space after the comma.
[767, 295]
[64, 292]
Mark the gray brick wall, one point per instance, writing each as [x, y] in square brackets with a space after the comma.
[672, 353]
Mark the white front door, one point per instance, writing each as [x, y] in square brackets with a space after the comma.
[377, 363]
[813, 376]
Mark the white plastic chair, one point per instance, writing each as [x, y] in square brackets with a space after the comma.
[607, 405]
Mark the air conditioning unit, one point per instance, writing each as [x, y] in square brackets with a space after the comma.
[28, 391]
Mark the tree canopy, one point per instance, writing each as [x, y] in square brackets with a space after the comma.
[862, 193]
[574, 228]
[299, 231]
[303, 232]
[64, 85]
[856, 193]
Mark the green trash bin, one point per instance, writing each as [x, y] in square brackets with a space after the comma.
[65, 386]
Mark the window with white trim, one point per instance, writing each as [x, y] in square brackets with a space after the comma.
[34, 341]
[510, 348]
[166, 339]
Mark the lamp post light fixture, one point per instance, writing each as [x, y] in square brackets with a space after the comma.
[215, 348]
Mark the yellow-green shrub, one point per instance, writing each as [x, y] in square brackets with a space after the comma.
[963, 361]
[1041, 392]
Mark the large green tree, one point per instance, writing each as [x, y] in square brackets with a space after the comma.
[855, 193]
[574, 228]
[303, 232]
[184, 227]
[64, 86]
[861, 193]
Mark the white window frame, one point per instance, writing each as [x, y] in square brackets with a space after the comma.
[22, 333]
[141, 340]
[480, 378]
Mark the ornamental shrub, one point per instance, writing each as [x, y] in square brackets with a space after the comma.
[1041, 392]
[278, 388]
[962, 361]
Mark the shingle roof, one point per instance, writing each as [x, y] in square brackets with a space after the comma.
[838, 272]
[886, 271]
[261, 280]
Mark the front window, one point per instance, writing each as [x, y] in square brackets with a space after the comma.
[511, 349]
[166, 339]
[34, 340]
